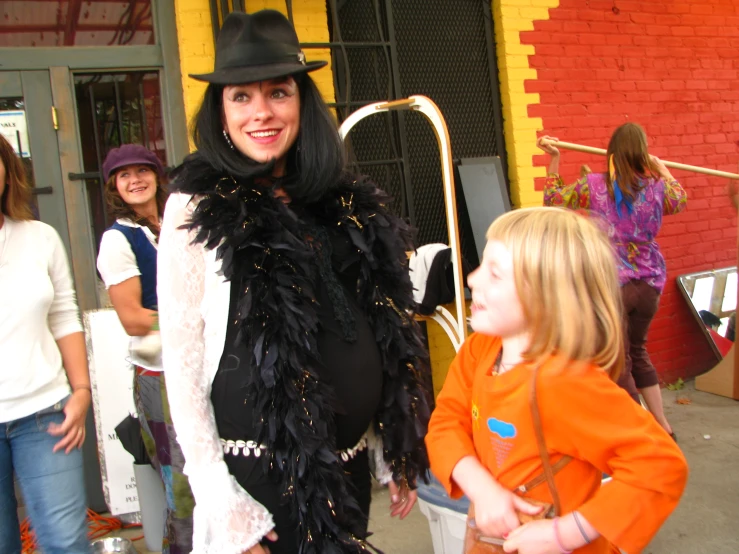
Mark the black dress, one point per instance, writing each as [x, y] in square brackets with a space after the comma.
[352, 367]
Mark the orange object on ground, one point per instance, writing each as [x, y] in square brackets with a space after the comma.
[99, 526]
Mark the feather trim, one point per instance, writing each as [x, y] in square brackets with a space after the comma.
[262, 244]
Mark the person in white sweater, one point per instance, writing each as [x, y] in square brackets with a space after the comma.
[44, 381]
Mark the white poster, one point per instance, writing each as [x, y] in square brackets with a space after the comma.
[111, 376]
[13, 128]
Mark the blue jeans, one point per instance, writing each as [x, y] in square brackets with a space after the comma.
[52, 484]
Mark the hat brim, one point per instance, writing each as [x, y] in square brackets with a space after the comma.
[159, 168]
[254, 73]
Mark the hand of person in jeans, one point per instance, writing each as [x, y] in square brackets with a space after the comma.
[73, 426]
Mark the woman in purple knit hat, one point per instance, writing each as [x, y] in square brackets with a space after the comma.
[127, 262]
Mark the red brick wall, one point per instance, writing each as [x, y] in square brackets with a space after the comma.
[673, 67]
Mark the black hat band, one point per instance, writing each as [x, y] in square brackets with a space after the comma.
[262, 54]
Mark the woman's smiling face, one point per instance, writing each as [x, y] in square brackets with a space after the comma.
[263, 119]
[137, 185]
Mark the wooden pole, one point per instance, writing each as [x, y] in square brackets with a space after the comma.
[673, 165]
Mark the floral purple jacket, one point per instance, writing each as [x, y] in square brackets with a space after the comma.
[632, 235]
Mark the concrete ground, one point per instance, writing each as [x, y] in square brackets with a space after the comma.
[706, 522]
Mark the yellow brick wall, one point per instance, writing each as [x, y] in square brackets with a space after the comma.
[441, 350]
[195, 38]
[511, 17]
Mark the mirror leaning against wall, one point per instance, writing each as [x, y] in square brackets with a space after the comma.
[712, 297]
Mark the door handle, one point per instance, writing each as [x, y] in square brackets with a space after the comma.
[42, 190]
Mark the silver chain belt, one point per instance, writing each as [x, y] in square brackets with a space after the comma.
[252, 448]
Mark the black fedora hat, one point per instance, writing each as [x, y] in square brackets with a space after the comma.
[257, 47]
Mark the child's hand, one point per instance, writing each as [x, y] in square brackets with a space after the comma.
[535, 537]
[495, 511]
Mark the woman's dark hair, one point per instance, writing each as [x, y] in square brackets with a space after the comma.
[119, 209]
[314, 163]
[628, 146]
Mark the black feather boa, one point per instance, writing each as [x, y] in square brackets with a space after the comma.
[263, 244]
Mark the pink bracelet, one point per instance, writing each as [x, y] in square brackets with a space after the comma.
[561, 547]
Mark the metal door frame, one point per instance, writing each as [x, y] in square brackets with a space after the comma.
[61, 63]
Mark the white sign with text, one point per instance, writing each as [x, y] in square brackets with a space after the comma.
[13, 128]
[111, 375]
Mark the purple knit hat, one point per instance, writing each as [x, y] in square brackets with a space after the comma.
[130, 154]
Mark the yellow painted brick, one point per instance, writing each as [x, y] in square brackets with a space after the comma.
[528, 171]
[527, 151]
[190, 20]
[516, 61]
[510, 18]
[508, 12]
[531, 196]
[534, 13]
[519, 111]
[256, 5]
[521, 24]
[192, 49]
[308, 18]
[520, 98]
[510, 38]
[521, 74]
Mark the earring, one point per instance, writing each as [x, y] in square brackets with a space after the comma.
[228, 140]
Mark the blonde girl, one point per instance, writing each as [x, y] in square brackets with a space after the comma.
[546, 299]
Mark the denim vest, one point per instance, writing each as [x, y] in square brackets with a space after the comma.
[146, 259]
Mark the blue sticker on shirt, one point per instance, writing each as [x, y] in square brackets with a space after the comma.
[501, 428]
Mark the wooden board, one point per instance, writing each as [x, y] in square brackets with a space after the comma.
[723, 379]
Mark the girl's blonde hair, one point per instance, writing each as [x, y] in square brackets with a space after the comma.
[565, 273]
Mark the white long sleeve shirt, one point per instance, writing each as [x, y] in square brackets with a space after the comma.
[38, 306]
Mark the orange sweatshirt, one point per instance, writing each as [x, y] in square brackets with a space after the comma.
[584, 415]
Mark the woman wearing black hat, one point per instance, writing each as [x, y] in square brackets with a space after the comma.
[291, 356]
[127, 262]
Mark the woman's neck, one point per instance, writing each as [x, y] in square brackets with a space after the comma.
[2, 219]
[148, 212]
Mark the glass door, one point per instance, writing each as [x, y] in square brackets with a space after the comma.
[115, 108]
[26, 120]
[34, 127]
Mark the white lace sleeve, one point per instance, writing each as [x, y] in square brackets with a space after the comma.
[381, 469]
[226, 519]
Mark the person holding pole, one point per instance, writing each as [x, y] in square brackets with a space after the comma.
[631, 198]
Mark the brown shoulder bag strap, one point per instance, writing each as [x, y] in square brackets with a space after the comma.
[541, 443]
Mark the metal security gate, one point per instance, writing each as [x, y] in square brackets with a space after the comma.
[392, 49]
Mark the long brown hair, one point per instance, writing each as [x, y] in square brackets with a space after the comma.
[119, 209]
[16, 199]
[628, 146]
